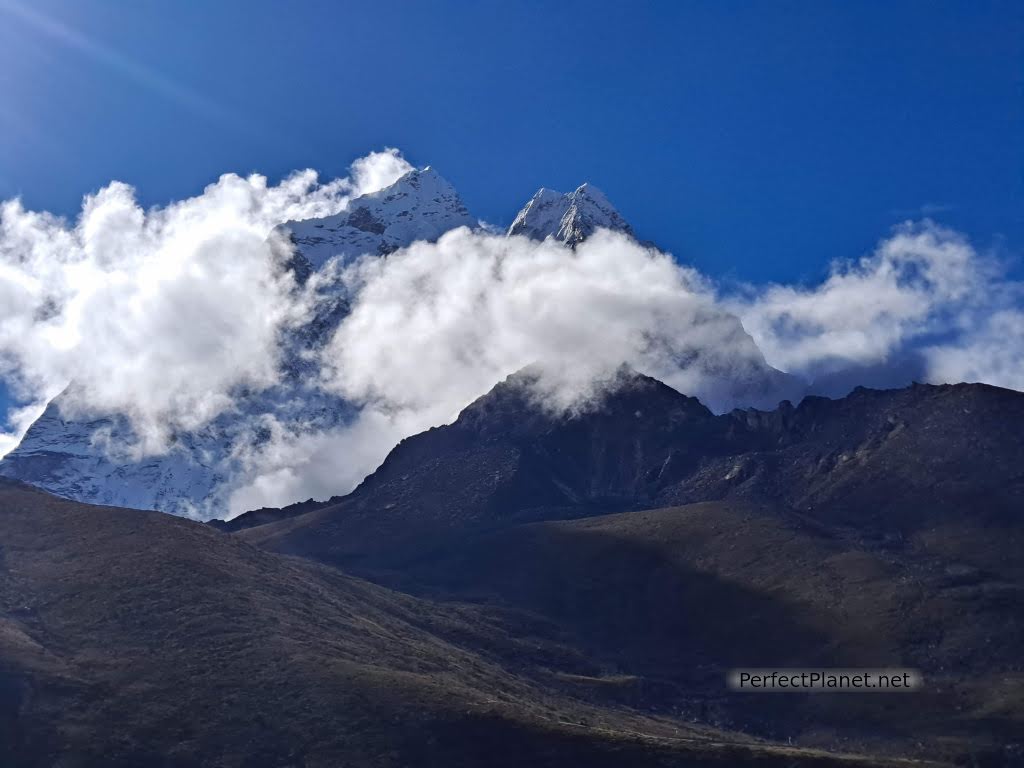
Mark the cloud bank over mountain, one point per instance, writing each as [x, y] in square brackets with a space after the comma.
[162, 314]
[435, 325]
[924, 302]
[166, 316]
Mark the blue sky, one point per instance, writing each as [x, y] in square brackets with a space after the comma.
[754, 140]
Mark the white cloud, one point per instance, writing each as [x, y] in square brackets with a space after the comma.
[375, 171]
[925, 286]
[298, 463]
[443, 322]
[436, 325]
[19, 420]
[992, 352]
[164, 314]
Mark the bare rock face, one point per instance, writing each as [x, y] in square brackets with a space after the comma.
[888, 462]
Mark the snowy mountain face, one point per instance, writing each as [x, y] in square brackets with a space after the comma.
[70, 455]
[419, 206]
[65, 455]
[570, 218]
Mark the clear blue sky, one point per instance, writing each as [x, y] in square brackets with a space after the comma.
[756, 140]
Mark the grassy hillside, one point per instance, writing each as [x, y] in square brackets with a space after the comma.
[138, 639]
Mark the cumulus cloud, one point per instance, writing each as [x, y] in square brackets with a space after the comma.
[444, 321]
[989, 351]
[435, 325]
[925, 300]
[172, 316]
[162, 315]
[298, 462]
[19, 419]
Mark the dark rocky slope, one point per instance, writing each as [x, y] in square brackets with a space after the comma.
[883, 529]
[890, 465]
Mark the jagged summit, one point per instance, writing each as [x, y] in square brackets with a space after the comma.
[421, 205]
[517, 405]
[569, 218]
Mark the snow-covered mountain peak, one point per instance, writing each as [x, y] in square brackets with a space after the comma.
[425, 182]
[421, 205]
[569, 218]
[588, 190]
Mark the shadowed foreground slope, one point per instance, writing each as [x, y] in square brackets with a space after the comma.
[678, 596]
[137, 639]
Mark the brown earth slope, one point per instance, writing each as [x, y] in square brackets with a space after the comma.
[137, 639]
[678, 596]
